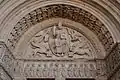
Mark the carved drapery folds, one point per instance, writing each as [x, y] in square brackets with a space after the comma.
[53, 70]
[63, 11]
[59, 42]
[83, 69]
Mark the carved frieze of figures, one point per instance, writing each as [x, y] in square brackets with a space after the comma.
[70, 70]
[63, 70]
[59, 41]
[51, 70]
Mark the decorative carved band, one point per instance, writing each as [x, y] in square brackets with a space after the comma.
[52, 70]
[58, 69]
[87, 69]
[62, 11]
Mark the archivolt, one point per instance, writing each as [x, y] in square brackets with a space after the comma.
[63, 11]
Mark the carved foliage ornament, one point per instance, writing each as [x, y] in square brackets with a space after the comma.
[63, 11]
[60, 41]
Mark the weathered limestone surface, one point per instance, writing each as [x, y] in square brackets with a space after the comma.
[59, 70]
[18, 69]
[116, 76]
[58, 42]
[6, 63]
[113, 63]
[57, 50]
[63, 11]
[4, 75]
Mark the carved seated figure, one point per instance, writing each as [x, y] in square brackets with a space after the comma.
[59, 41]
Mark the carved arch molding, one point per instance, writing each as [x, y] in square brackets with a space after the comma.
[61, 11]
[57, 42]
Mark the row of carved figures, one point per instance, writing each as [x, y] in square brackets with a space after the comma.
[63, 70]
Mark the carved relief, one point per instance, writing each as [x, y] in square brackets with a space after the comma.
[60, 41]
[7, 61]
[53, 70]
[63, 11]
[113, 58]
[4, 75]
[101, 70]
[81, 70]
[39, 70]
[70, 70]
[27, 71]
[17, 68]
[113, 62]
[63, 70]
